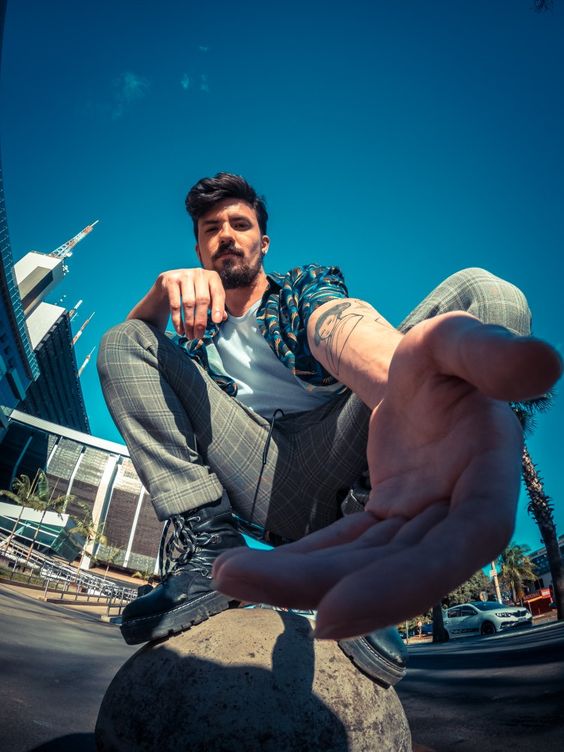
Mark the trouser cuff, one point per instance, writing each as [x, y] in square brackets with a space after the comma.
[193, 496]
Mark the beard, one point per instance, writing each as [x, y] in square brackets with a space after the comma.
[234, 272]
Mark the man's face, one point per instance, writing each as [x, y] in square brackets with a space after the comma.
[230, 242]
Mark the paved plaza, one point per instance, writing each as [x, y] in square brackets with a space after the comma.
[486, 695]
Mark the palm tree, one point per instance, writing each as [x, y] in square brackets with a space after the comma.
[440, 634]
[540, 507]
[109, 558]
[46, 501]
[516, 567]
[540, 504]
[22, 493]
[86, 529]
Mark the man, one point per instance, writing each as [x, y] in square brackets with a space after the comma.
[283, 391]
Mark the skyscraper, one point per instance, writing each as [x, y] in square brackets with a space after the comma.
[55, 395]
[18, 363]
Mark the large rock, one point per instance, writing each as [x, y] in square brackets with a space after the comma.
[246, 680]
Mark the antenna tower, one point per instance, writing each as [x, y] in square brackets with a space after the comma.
[64, 251]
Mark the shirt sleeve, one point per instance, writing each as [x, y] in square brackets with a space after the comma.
[316, 285]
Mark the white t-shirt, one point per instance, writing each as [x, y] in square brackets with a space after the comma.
[263, 382]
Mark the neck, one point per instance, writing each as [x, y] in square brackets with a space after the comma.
[240, 299]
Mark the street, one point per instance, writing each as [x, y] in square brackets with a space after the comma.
[480, 694]
[488, 694]
[56, 665]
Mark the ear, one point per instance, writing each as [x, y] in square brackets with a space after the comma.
[199, 255]
[264, 244]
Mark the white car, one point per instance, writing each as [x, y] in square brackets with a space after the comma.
[484, 618]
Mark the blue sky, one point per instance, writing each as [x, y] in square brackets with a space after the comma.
[401, 141]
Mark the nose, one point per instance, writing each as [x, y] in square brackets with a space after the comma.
[226, 232]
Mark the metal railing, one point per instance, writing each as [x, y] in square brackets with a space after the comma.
[75, 583]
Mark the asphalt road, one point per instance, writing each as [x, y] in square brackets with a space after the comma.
[488, 694]
[501, 693]
[55, 665]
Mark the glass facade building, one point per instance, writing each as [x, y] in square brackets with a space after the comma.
[98, 473]
[18, 363]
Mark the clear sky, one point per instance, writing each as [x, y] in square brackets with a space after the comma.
[400, 141]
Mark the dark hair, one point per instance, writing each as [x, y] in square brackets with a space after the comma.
[209, 191]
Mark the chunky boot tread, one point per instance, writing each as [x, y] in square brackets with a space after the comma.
[372, 663]
[179, 619]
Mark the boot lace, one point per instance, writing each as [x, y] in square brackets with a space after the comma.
[183, 546]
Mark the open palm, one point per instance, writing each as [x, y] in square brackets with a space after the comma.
[444, 453]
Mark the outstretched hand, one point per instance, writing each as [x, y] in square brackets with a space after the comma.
[444, 453]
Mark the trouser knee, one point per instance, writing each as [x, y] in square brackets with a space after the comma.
[492, 300]
[117, 342]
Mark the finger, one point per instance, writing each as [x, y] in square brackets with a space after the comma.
[174, 302]
[499, 364]
[298, 578]
[217, 295]
[412, 531]
[188, 304]
[344, 530]
[202, 291]
[415, 577]
[339, 533]
[291, 579]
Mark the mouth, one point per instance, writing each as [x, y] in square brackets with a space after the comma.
[227, 253]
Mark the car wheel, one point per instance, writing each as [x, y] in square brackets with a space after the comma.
[488, 628]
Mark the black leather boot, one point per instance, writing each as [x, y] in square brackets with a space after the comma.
[381, 655]
[185, 595]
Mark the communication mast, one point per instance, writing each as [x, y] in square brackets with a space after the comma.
[85, 363]
[82, 328]
[64, 251]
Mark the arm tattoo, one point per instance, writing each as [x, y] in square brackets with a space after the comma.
[334, 328]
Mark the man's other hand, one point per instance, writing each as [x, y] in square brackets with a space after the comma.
[190, 293]
[444, 453]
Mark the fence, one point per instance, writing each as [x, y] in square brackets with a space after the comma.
[55, 574]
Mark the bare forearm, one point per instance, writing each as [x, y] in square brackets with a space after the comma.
[153, 308]
[355, 344]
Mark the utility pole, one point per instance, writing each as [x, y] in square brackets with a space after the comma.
[493, 575]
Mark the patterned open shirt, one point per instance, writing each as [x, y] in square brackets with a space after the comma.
[282, 318]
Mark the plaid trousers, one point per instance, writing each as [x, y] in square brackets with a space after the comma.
[189, 441]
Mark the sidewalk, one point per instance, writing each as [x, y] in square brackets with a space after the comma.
[97, 606]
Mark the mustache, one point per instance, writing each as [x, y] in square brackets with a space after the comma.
[228, 250]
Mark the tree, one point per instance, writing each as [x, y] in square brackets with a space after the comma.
[540, 504]
[22, 493]
[470, 590]
[439, 632]
[516, 567]
[45, 501]
[110, 557]
[34, 495]
[87, 530]
[540, 508]
[542, 5]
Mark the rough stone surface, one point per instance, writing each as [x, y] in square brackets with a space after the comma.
[246, 680]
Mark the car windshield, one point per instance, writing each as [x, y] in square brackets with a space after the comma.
[488, 606]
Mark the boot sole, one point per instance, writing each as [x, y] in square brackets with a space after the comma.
[372, 663]
[159, 626]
